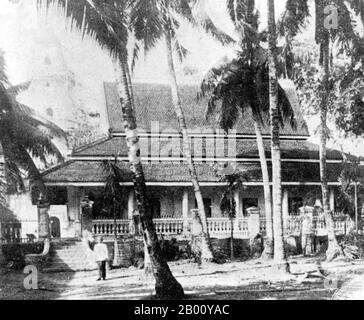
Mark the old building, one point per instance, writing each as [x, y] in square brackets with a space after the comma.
[81, 178]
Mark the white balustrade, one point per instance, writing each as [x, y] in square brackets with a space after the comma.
[221, 227]
[342, 225]
[106, 227]
[218, 227]
[168, 226]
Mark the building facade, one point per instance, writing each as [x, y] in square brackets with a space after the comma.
[79, 182]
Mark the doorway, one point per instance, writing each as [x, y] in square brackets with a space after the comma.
[55, 227]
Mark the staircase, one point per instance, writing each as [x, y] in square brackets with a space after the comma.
[68, 255]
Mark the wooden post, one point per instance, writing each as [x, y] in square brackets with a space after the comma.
[185, 212]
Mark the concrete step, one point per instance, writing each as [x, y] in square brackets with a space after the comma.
[68, 255]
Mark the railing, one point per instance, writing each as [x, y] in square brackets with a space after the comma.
[218, 227]
[16, 241]
[342, 225]
[221, 227]
[169, 226]
[106, 227]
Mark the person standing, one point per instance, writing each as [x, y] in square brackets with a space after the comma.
[101, 255]
[307, 235]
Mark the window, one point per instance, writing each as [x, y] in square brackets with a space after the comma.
[248, 203]
[207, 203]
[294, 204]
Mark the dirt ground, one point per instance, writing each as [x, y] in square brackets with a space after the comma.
[310, 279]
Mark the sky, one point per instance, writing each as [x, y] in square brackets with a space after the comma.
[65, 69]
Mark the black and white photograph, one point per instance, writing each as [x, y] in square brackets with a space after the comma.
[199, 151]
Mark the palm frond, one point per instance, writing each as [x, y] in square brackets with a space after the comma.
[147, 22]
[106, 20]
[14, 91]
[294, 18]
[14, 177]
[181, 51]
[23, 160]
[27, 115]
[37, 142]
[286, 111]
[240, 84]
[209, 27]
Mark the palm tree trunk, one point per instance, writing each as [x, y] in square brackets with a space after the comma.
[279, 253]
[268, 246]
[206, 248]
[3, 183]
[231, 215]
[333, 249]
[167, 287]
[116, 261]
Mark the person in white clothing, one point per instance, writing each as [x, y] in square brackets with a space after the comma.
[101, 255]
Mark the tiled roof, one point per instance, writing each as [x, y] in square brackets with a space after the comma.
[91, 171]
[153, 102]
[245, 148]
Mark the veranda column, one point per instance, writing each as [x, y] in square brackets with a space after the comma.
[131, 212]
[86, 217]
[185, 211]
[332, 199]
[73, 210]
[43, 219]
[285, 208]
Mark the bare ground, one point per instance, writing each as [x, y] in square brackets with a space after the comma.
[311, 279]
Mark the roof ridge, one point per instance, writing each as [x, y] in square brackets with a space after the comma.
[92, 144]
[57, 167]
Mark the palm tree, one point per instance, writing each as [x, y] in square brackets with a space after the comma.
[108, 21]
[24, 135]
[234, 182]
[253, 75]
[152, 21]
[279, 252]
[235, 83]
[113, 198]
[349, 41]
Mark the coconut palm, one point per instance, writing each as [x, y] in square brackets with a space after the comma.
[108, 20]
[113, 198]
[246, 77]
[234, 182]
[152, 21]
[24, 136]
[347, 39]
[241, 86]
[279, 253]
